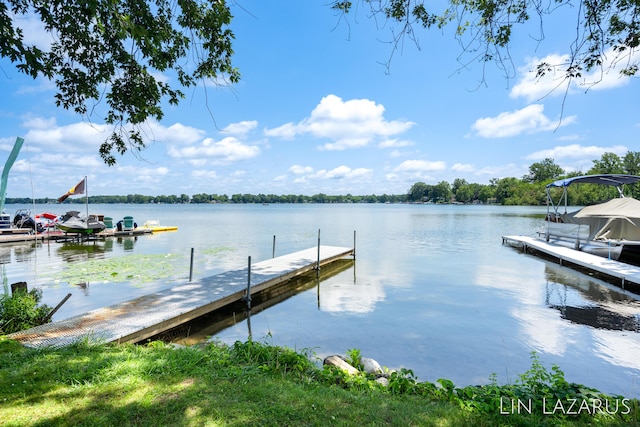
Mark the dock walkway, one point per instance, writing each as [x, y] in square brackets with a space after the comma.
[623, 272]
[17, 235]
[141, 318]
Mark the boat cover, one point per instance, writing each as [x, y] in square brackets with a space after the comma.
[617, 219]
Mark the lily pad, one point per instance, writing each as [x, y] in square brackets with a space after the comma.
[135, 268]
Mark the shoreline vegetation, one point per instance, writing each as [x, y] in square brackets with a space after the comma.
[252, 383]
[528, 190]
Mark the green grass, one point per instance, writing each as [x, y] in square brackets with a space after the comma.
[247, 384]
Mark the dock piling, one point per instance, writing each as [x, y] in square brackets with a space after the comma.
[354, 244]
[191, 267]
[248, 297]
[318, 262]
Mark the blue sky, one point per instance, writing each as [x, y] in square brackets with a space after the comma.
[317, 112]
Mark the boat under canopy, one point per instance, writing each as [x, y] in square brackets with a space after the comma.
[610, 229]
[617, 219]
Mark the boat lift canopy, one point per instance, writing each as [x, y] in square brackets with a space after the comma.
[617, 180]
[605, 179]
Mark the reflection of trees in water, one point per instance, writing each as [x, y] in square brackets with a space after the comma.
[600, 307]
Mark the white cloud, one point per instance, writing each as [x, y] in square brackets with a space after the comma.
[226, 150]
[204, 174]
[502, 171]
[420, 166]
[341, 172]
[554, 82]
[34, 31]
[395, 143]
[240, 129]
[609, 76]
[45, 135]
[41, 85]
[286, 131]
[575, 151]
[459, 167]
[530, 119]
[532, 88]
[144, 173]
[177, 133]
[348, 124]
[299, 170]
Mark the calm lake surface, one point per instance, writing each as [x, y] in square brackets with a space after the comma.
[432, 289]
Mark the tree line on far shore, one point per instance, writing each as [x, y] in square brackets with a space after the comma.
[528, 190]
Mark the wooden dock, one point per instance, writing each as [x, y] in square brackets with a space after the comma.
[618, 272]
[141, 318]
[24, 235]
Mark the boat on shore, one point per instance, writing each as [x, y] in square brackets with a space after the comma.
[72, 222]
[610, 229]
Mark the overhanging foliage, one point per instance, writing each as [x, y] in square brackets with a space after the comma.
[117, 52]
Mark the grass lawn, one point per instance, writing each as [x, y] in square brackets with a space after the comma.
[254, 384]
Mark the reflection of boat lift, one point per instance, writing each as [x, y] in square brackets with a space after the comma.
[605, 308]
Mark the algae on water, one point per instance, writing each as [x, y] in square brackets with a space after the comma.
[137, 268]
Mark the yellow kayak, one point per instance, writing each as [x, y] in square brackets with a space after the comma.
[154, 226]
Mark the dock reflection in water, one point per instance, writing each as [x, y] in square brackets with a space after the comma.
[237, 315]
[600, 305]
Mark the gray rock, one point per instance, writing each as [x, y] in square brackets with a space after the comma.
[370, 366]
[383, 381]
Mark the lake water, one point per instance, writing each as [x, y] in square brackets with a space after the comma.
[432, 288]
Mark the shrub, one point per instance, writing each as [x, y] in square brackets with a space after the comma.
[20, 311]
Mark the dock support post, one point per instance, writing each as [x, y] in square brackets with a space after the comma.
[354, 244]
[248, 297]
[273, 249]
[318, 262]
[191, 266]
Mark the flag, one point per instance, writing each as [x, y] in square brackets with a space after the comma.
[78, 189]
